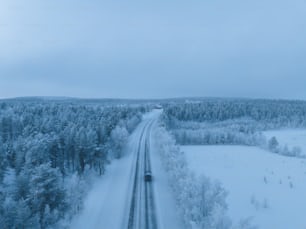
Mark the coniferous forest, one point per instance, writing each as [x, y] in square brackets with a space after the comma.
[48, 151]
[231, 121]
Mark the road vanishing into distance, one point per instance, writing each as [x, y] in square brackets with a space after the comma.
[142, 208]
[122, 198]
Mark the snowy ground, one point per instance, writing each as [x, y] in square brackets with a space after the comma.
[291, 138]
[107, 205]
[267, 187]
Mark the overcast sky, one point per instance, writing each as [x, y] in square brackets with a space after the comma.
[153, 49]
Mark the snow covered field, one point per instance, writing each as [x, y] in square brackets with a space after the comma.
[268, 188]
[291, 138]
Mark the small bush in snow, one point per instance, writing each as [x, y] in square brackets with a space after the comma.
[258, 205]
[245, 224]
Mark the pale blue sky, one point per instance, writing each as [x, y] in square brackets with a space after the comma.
[153, 49]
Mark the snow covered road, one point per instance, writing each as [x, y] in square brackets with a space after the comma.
[142, 206]
[122, 199]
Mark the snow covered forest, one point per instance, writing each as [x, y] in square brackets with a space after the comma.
[234, 121]
[51, 149]
[268, 113]
[152, 114]
[48, 152]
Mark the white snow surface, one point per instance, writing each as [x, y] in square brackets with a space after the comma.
[267, 187]
[107, 204]
[289, 137]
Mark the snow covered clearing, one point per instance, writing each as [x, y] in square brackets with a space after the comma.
[265, 187]
[291, 138]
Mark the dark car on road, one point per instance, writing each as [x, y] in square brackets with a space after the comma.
[158, 107]
[148, 176]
